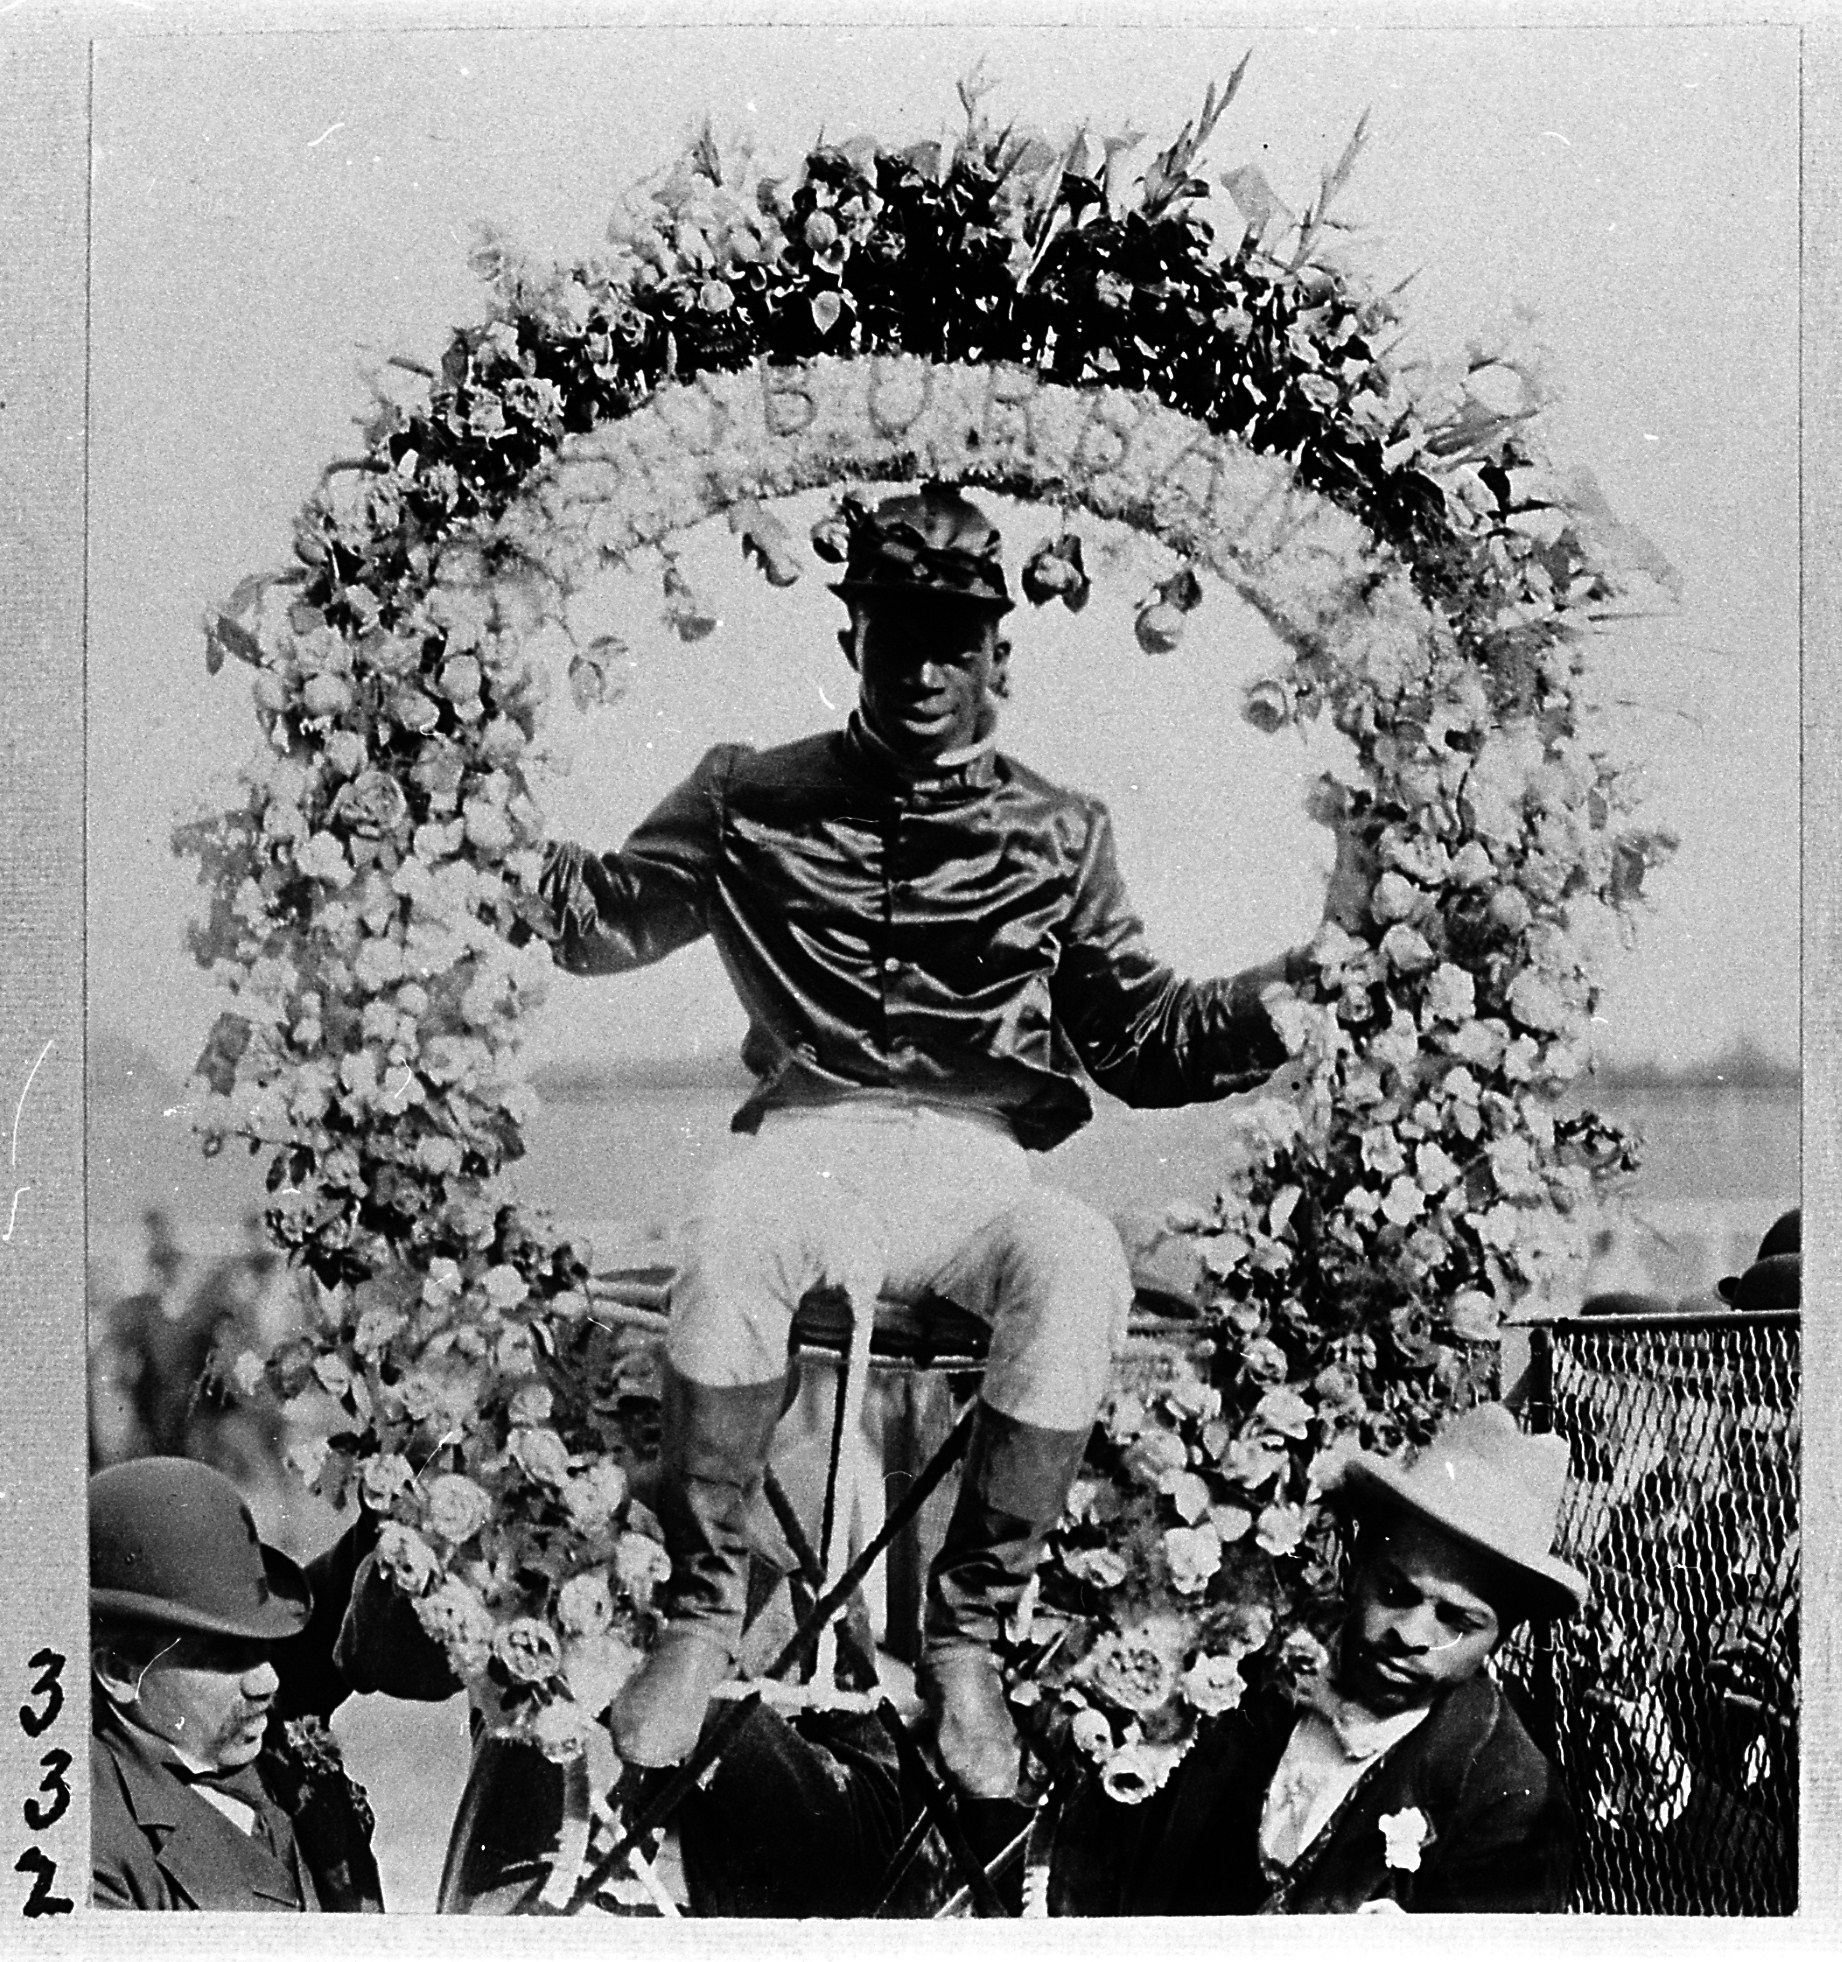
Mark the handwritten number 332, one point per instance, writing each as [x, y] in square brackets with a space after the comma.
[43, 1813]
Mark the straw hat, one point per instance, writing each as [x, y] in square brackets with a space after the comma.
[1487, 1484]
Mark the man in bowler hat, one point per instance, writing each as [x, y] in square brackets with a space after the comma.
[1401, 1779]
[937, 957]
[1775, 1278]
[202, 1642]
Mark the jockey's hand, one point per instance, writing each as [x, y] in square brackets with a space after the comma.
[1292, 969]
[559, 900]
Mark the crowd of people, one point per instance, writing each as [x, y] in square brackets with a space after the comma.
[160, 1363]
[937, 958]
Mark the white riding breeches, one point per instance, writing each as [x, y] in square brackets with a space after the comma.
[887, 1196]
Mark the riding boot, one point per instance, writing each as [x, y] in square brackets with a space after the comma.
[1012, 1491]
[712, 1454]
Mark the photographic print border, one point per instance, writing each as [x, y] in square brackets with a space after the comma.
[44, 84]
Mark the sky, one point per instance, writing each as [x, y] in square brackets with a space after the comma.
[275, 214]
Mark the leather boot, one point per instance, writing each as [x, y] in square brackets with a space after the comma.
[712, 1454]
[1011, 1493]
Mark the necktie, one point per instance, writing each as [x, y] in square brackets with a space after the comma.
[244, 1783]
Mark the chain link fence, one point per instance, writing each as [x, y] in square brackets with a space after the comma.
[1671, 1703]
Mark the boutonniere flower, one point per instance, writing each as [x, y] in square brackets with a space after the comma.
[1404, 1834]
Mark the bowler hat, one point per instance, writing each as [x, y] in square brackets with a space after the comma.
[1487, 1484]
[933, 541]
[173, 1544]
[1776, 1277]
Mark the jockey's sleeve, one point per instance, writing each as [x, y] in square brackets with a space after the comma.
[626, 909]
[1146, 1034]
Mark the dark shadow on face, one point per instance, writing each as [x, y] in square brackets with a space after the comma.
[930, 673]
[1423, 1616]
[208, 1694]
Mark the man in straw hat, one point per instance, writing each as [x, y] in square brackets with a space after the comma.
[936, 956]
[201, 1640]
[1401, 1778]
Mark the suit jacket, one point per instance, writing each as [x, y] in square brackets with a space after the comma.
[1500, 1835]
[155, 1843]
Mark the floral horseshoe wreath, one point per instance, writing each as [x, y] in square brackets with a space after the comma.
[1037, 320]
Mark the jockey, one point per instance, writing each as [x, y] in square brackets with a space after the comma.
[936, 956]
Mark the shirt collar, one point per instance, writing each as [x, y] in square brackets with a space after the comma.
[159, 1750]
[970, 768]
[1361, 1732]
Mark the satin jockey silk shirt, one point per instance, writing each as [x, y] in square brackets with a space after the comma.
[960, 936]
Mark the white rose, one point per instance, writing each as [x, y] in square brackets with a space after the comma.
[1404, 1201]
[530, 1404]
[541, 1455]
[443, 1282]
[505, 1287]
[640, 1563]
[583, 1603]
[456, 1617]
[1194, 1556]
[1472, 1316]
[1395, 898]
[1133, 1774]
[1135, 1668]
[528, 1649]
[1471, 864]
[1451, 994]
[1381, 1151]
[1231, 1523]
[457, 1508]
[1481, 1043]
[1098, 1566]
[1284, 1411]
[595, 1497]
[1537, 1004]
[1092, 1733]
[560, 1730]
[385, 1478]
[1406, 950]
[1155, 1454]
[323, 857]
[1281, 1528]
[408, 1558]
[1214, 1683]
